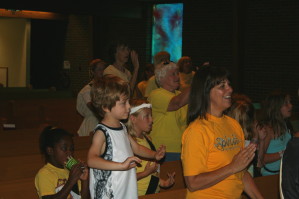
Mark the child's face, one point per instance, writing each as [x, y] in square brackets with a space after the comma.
[144, 120]
[121, 109]
[60, 152]
[286, 109]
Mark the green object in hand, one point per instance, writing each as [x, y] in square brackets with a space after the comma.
[71, 162]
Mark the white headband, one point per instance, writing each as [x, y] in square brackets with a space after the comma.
[136, 108]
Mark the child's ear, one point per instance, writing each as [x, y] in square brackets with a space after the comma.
[50, 151]
[105, 109]
[132, 118]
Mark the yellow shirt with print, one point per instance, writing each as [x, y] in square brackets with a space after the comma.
[50, 179]
[208, 145]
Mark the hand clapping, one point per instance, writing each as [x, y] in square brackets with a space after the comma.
[160, 152]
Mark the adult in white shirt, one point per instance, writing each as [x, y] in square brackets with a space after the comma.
[84, 105]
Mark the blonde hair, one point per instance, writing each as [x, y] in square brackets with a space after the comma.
[242, 110]
[107, 91]
[134, 103]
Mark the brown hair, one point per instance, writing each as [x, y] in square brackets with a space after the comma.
[107, 91]
[182, 61]
[242, 110]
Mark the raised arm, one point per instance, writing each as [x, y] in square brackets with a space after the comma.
[179, 101]
[97, 149]
[208, 179]
[135, 62]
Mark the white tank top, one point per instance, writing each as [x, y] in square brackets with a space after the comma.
[114, 184]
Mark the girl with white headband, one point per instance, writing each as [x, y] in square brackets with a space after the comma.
[139, 125]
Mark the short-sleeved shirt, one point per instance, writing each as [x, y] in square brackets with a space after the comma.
[111, 70]
[50, 180]
[208, 145]
[90, 120]
[142, 86]
[143, 183]
[151, 85]
[168, 126]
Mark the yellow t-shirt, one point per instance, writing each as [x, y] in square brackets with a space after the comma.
[168, 126]
[143, 183]
[208, 145]
[126, 76]
[142, 86]
[151, 85]
[50, 180]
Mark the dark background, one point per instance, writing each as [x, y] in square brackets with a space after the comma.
[257, 40]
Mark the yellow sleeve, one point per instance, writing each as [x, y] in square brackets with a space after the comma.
[45, 183]
[159, 101]
[195, 150]
[151, 85]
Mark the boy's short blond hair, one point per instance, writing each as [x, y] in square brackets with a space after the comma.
[107, 91]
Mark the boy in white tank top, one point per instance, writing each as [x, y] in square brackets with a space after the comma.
[111, 154]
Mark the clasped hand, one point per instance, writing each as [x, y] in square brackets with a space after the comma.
[160, 152]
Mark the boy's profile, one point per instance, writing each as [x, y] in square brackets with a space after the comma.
[111, 154]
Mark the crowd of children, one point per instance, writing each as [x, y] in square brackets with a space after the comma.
[124, 162]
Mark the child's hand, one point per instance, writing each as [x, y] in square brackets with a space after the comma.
[151, 167]
[130, 162]
[262, 132]
[169, 182]
[85, 174]
[75, 173]
[160, 152]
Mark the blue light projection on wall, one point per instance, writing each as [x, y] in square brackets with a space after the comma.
[167, 29]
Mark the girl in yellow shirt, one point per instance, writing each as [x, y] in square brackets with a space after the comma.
[139, 124]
